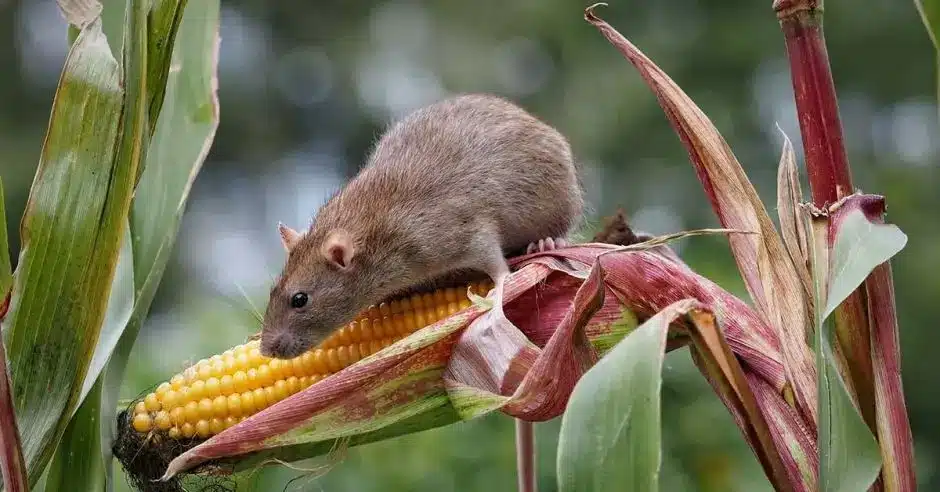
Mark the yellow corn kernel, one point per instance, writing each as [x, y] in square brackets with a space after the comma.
[176, 415]
[162, 389]
[197, 390]
[293, 384]
[248, 403]
[240, 382]
[162, 420]
[213, 388]
[217, 392]
[202, 428]
[280, 389]
[170, 399]
[205, 408]
[220, 407]
[188, 430]
[151, 402]
[177, 381]
[216, 425]
[261, 402]
[192, 412]
[297, 366]
[226, 385]
[142, 422]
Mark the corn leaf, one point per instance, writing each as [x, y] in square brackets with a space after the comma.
[860, 243]
[184, 130]
[713, 356]
[849, 457]
[792, 225]
[6, 272]
[610, 434]
[79, 464]
[769, 274]
[930, 14]
[71, 234]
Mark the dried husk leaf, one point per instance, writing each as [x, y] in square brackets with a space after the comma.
[791, 216]
[769, 274]
[714, 358]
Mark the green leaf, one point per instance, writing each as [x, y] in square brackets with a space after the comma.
[71, 234]
[860, 246]
[610, 431]
[6, 272]
[78, 464]
[930, 14]
[164, 21]
[849, 457]
[184, 133]
[120, 306]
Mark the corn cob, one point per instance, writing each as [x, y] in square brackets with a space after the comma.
[217, 393]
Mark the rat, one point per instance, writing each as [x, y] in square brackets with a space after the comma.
[454, 186]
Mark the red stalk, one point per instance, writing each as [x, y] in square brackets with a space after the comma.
[829, 176]
[12, 465]
[525, 456]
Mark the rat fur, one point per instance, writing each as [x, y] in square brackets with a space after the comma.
[454, 186]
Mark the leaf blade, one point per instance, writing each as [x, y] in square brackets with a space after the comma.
[62, 245]
[865, 213]
[860, 246]
[769, 274]
[849, 457]
[610, 432]
[6, 270]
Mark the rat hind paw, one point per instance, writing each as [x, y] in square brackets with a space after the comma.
[547, 244]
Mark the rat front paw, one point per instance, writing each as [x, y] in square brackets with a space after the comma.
[547, 244]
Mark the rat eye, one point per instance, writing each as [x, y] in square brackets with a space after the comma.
[298, 300]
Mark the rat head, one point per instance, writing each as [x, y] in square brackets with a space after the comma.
[315, 294]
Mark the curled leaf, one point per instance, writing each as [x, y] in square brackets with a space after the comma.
[769, 274]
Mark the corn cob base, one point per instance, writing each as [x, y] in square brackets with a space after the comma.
[221, 391]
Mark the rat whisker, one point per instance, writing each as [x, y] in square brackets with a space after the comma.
[254, 309]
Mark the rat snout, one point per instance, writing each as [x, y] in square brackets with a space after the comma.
[280, 346]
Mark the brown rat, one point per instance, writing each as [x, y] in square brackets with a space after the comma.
[454, 186]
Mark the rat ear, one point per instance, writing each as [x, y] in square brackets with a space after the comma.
[289, 237]
[338, 248]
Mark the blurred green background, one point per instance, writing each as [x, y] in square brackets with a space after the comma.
[306, 87]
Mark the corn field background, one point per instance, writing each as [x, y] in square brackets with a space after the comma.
[304, 89]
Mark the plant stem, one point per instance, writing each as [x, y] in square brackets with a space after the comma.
[826, 163]
[12, 465]
[525, 456]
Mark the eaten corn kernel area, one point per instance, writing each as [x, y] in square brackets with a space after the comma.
[217, 393]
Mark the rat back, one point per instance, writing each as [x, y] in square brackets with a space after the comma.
[455, 173]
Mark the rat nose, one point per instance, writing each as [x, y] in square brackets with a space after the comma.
[277, 346]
